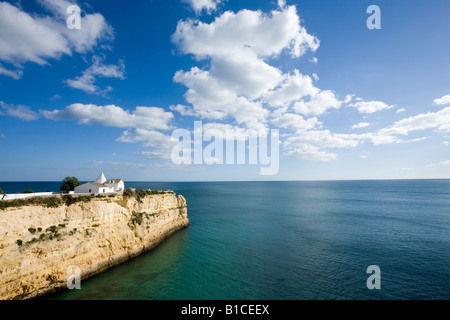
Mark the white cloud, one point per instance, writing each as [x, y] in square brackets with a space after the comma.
[442, 101]
[246, 33]
[401, 110]
[292, 88]
[246, 76]
[2, 136]
[310, 145]
[296, 122]
[212, 100]
[20, 111]
[183, 110]
[28, 37]
[113, 116]
[446, 143]
[229, 132]
[361, 125]
[349, 98]
[370, 106]
[439, 120]
[161, 145]
[307, 152]
[326, 139]
[364, 156]
[239, 80]
[86, 82]
[380, 138]
[207, 5]
[442, 163]
[15, 74]
[318, 104]
[416, 140]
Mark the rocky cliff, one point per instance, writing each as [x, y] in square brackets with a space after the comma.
[38, 244]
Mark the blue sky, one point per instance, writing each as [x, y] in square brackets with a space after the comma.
[349, 102]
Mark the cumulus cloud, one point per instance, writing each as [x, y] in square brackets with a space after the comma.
[230, 132]
[296, 122]
[86, 82]
[239, 85]
[212, 100]
[144, 123]
[245, 33]
[160, 144]
[113, 116]
[308, 152]
[239, 80]
[442, 101]
[293, 87]
[439, 120]
[370, 106]
[361, 125]
[311, 145]
[20, 111]
[318, 104]
[183, 110]
[26, 37]
[207, 5]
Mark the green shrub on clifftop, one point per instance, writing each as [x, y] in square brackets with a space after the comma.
[49, 202]
[141, 193]
[69, 199]
[129, 192]
[69, 184]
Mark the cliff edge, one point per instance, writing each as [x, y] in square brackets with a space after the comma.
[38, 243]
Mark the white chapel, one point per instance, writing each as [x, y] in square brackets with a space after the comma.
[101, 185]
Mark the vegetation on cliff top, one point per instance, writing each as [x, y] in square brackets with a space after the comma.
[68, 200]
[49, 202]
[141, 193]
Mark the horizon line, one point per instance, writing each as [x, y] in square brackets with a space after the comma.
[297, 180]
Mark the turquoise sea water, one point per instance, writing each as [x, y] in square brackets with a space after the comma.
[290, 240]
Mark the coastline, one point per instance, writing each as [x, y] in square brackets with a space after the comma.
[93, 236]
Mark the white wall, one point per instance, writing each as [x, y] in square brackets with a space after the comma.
[13, 196]
[117, 186]
[84, 188]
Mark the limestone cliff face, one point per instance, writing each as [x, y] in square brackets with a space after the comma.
[39, 244]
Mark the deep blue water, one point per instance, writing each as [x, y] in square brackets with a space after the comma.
[290, 240]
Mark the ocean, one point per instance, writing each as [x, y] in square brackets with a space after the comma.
[289, 241]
